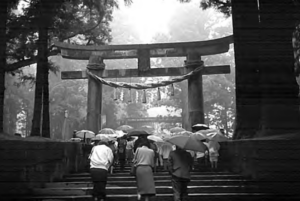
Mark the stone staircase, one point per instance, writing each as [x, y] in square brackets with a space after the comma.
[204, 186]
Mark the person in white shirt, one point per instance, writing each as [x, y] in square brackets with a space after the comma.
[101, 158]
[164, 151]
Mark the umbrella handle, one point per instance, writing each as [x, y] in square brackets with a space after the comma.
[84, 137]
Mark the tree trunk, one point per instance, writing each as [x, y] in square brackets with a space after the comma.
[245, 32]
[46, 115]
[42, 63]
[279, 89]
[3, 17]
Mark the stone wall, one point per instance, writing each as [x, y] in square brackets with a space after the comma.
[28, 164]
[274, 162]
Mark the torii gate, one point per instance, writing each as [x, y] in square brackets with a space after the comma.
[143, 52]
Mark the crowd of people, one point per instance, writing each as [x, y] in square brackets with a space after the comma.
[147, 157]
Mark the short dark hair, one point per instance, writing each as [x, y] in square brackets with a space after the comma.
[102, 143]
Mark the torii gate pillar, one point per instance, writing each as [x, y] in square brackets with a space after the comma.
[94, 99]
[195, 94]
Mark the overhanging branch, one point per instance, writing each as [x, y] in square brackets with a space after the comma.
[27, 62]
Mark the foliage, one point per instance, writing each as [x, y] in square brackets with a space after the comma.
[223, 6]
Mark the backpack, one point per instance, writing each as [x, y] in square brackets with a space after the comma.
[122, 146]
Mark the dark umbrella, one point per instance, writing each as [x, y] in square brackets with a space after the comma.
[137, 133]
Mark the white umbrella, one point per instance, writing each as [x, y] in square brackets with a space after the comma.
[103, 138]
[85, 134]
[75, 139]
[176, 129]
[107, 131]
[155, 138]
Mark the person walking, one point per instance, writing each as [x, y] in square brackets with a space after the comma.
[165, 151]
[129, 151]
[122, 143]
[213, 157]
[180, 164]
[101, 158]
[112, 146]
[153, 146]
[141, 140]
[144, 163]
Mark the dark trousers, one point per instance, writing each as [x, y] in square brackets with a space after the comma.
[99, 178]
[180, 188]
[165, 163]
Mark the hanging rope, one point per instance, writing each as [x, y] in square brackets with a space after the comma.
[144, 86]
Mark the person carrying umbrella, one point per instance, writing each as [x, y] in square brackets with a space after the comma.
[180, 164]
[101, 158]
[164, 152]
[122, 143]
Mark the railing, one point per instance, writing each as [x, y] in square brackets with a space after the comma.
[273, 161]
[28, 164]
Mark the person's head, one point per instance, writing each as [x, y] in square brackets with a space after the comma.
[102, 142]
[144, 143]
[178, 148]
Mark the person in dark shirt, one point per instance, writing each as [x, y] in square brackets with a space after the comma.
[180, 164]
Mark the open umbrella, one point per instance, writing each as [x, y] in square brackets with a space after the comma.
[107, 131]
[76, 139]
[155, 138]
[188, 143]
[200, 126]
[85, 134]
[219, 137]
[185, 133]
[125, 128]
[137, 133]
[200, 136]
[176, 129]
[103, 138]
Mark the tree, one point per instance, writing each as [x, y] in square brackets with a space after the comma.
[266, 86]
[71, 18]
[5, 9]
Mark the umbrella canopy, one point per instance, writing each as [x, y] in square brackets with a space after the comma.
[185, 133]
[75, 139]
[103, 138]
[200, 126]
[188, 143]
[125, 128]
[219, 137]
[107, 131]
[200, 136]
[85, 134]
[176, 129]
[213, 145]
[137, 133]
[155, 138]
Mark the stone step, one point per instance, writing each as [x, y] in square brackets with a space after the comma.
[168, 197]
[133, 190]
[120, 173]
[167, 182]
[156, 177]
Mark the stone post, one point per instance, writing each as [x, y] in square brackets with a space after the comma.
[195, 93]
[94, 100]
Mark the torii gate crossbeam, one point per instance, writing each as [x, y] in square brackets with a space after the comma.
[143, 52]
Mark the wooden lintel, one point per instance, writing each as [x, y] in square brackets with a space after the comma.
[153, 72]
[130, 54]
[210, 47]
